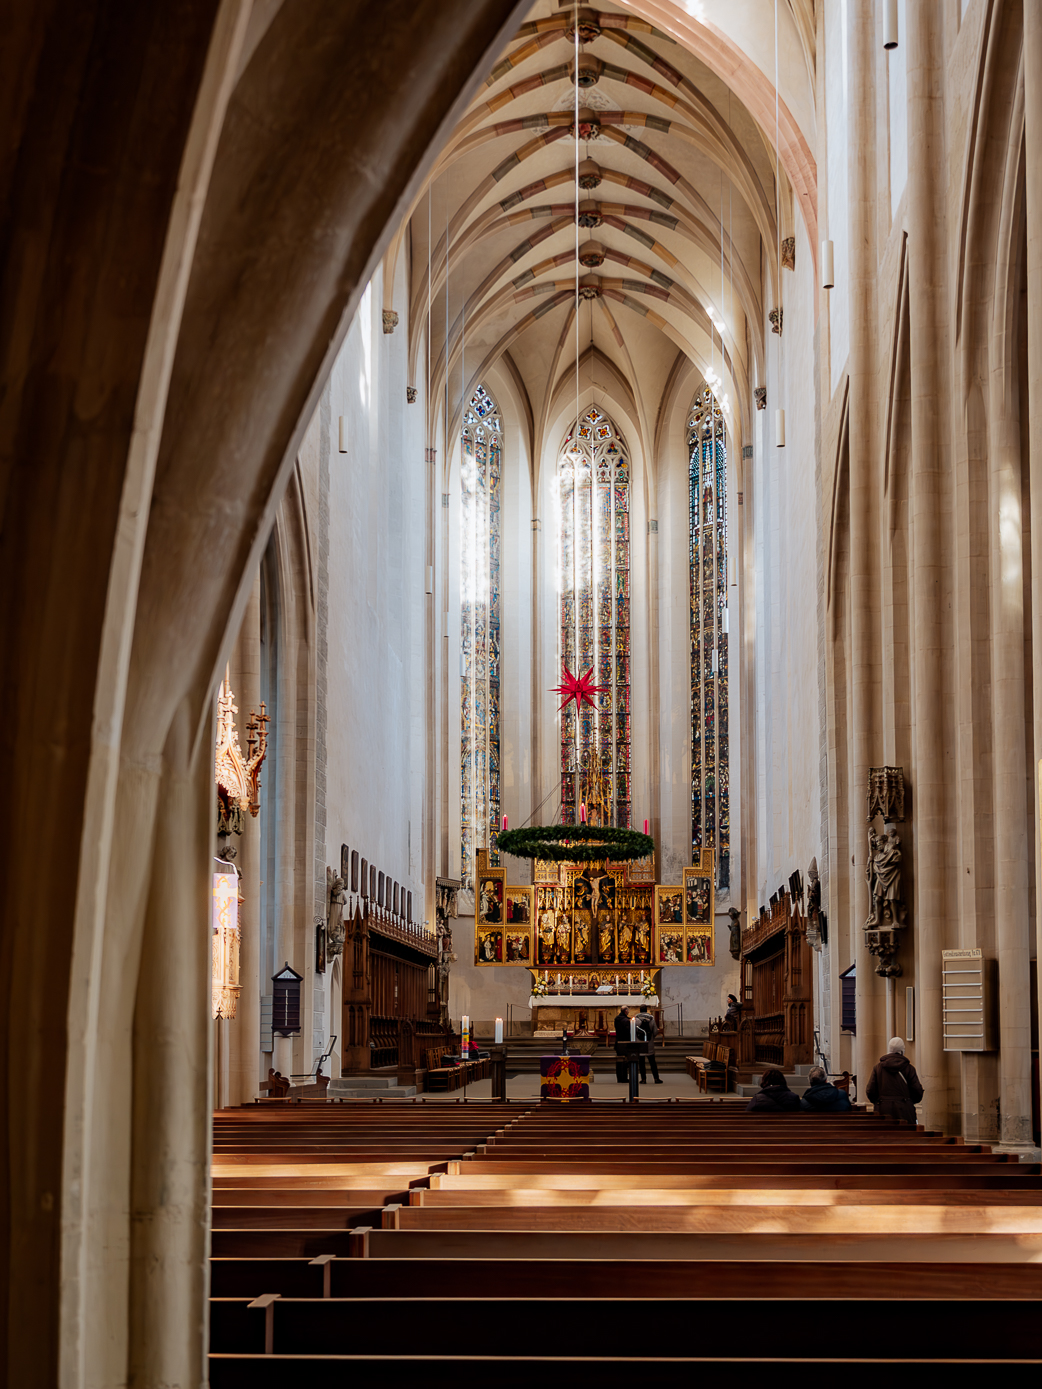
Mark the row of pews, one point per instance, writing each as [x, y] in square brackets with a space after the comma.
[437, 1238]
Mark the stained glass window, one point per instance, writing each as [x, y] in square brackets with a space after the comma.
[593, 513]
[481, 463]
[710, 766]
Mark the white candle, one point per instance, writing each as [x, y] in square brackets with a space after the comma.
[499, 1032]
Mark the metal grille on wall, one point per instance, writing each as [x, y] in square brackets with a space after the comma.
[707, 479]
[593, 497]
[482, 452]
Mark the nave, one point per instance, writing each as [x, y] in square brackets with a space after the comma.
[508, 1237]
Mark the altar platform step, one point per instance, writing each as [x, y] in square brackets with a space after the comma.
[369, 1086]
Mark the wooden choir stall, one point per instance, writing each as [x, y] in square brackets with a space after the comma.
[390, 1000]
[776, 1023]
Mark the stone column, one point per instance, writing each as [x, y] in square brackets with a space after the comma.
[1009, 749]
[863, 433]
[1033, 171]
[170, 1190]
[930, 527]
[244, 1031]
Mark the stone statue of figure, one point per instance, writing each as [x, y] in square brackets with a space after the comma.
[336, 894]
[884, 878]
[735, 945]
[813, 889]
[870, 875]
[888, 877]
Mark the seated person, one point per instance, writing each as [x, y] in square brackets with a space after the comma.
[734, 1011]
[773, 1096]
[823, 1098]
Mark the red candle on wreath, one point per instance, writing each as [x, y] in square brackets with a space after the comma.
[645, 826]
[582, 813]
[505, 824]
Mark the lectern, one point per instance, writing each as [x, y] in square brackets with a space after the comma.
[632, 1050]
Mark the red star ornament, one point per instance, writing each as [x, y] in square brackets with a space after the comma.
[579, 688]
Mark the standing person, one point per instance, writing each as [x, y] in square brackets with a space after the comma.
[646, 1022]
[823, 1098]
[894, 1087]
[622, 1034]
[773, 1096]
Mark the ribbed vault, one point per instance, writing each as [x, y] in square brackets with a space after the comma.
[678, 212]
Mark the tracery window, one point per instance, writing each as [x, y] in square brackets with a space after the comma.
[593, 502]
[482, 453]
[707, 481]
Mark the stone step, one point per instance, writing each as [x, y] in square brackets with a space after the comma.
[371, 1080]
[341, 1091]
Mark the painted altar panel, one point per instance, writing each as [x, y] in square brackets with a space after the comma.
[490, 904]
[595, 916]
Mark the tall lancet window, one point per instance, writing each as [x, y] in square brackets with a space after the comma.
[593, 500]
[482, 454]
[707, 480]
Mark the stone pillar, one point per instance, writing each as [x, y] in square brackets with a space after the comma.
[1009, 752]
[170, 1164]
[1033, 171]
[866, 661]
[244, 1032]
[931, 478]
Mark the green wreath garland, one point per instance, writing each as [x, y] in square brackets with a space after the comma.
[576, 843]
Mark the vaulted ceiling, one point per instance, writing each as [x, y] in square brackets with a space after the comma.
[677, 237]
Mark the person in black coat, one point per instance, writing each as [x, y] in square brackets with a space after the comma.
[823, 1098]
[644, 1029]
[773, 1096]
[894, 1088]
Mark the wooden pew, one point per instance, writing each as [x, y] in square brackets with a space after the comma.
[367, 1326]
[701, 1207]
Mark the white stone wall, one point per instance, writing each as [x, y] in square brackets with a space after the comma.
[370, 777]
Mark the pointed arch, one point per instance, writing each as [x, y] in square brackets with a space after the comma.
[592, 504]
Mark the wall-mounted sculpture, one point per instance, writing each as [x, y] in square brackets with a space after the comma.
[887, 910]
[336, 897]
[237, 777]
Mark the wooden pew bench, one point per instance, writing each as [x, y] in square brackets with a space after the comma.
[371, 1325]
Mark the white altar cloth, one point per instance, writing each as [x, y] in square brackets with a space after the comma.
[592, 1001]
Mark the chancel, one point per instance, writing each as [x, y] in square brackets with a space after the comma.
[521, 568]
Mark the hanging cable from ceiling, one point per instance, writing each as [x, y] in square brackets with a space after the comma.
[779, 427]
[575, 79]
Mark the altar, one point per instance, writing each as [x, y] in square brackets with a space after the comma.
[611, 1001]
[582, 1012]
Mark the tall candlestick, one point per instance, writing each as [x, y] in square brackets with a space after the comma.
[499, 1032]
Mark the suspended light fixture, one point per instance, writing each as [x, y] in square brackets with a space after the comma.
[828, 266]
[889, 24]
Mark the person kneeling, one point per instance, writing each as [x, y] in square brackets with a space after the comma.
[773, 1096]
[823, 1098]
